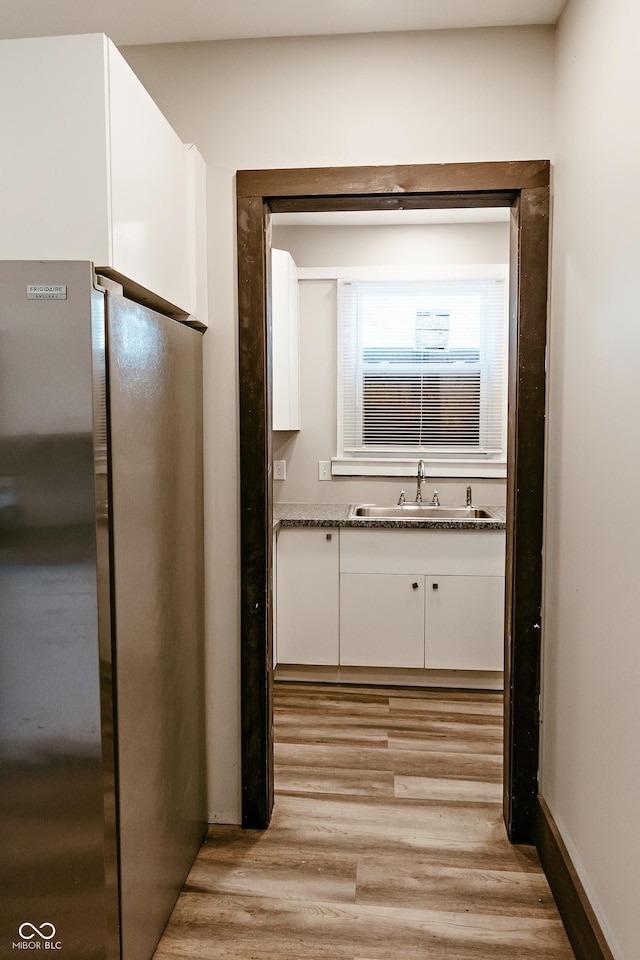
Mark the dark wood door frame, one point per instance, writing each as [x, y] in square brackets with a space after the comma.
[524, 187]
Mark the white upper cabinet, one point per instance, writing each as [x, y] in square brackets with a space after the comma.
[285, 341]
[92, 170]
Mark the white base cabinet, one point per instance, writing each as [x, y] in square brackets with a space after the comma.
[440, 623]
[308, 596]
[455, 577]
[429, 599]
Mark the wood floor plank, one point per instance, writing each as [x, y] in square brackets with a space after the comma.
[332, 881]
[358, 730]
[336, 781]
[334, 756]
[360, 736]
[445, 741]
[403, 761]
[450, 765]
[490, 706]
[368, 816]
[453, 791]
[294, 841]
[271, 929]
[456, 889]
[386, 843]
[460, 726]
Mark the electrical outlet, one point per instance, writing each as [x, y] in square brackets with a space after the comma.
[279, 469]
[324, 469]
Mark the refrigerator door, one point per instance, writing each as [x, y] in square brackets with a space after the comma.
[155, 404]
[57, 812]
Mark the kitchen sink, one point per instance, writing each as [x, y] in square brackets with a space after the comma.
[417, 511]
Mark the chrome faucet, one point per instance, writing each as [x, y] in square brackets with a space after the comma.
[421, 479]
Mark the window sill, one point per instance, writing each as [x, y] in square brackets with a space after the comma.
[466, 469]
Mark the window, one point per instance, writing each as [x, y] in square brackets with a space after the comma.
[422, 374]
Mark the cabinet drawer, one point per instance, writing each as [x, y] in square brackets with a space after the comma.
[425, 551]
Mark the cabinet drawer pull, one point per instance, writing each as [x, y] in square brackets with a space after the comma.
[415, 586]
[434, 586]
[329, 536]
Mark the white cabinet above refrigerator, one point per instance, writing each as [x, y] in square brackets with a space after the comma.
[92, 170]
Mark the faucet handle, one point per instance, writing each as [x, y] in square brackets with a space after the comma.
[401, 498]
[469, 496]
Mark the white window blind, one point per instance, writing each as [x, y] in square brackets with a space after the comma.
[422, 369]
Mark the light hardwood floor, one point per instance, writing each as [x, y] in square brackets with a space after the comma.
[387, 842]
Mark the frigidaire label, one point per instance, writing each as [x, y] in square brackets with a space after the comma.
[46, 291]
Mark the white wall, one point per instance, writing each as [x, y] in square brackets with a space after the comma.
[376, 99]
[591, 706]
[363, 246]
[395, 245]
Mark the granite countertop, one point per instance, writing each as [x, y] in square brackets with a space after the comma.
[336, 515]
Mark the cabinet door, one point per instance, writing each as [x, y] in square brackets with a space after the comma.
[274, 598]
[54, 189]
[149, 191]
[115, 184]
[381, 620]
[307, 604]
[286, 359]
[464, 623]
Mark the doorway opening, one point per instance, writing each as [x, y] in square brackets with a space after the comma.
[522, 186]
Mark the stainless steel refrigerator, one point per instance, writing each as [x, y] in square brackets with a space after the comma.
[101, 614]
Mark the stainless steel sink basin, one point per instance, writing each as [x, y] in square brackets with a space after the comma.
[417, 511]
